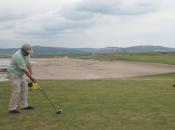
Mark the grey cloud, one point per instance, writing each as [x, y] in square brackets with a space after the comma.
[75, 15]
[53, 25]
[35, 33]
[6, 27]
[67, 25]
[86, 9]
[117, 7]
[70, 12]
[99, 6]
[82, 15]
[9, 15]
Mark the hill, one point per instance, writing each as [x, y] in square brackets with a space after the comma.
[133, 49]
[147, 49]
[59, 50]
[42, 50]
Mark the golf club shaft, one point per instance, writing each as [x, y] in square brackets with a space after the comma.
[46, 96]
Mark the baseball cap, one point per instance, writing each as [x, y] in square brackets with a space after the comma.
[27, 47]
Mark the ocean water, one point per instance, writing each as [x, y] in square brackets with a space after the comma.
[4, 65]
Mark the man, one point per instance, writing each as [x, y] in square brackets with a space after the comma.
[20, 65]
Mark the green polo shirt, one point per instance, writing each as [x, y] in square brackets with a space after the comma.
[18, 63]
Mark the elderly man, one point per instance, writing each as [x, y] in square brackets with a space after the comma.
[20, 64]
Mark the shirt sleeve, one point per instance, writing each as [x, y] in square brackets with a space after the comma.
[20, 63]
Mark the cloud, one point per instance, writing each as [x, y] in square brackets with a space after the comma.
[118, 7]
[10, 15]
[7, 26]
[72, 13]
[87, 9]
[21, 9]
[13, 10]
[82, 15]
[51, 23]
[88, 22]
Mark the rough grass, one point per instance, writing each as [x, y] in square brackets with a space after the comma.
[124, 104]
[169, 75]
[154, 57]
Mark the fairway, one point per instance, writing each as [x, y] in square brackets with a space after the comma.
[142, 103]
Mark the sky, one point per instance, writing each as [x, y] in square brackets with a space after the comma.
[87, 23]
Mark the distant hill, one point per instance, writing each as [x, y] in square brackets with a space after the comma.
[133, 49]
[53, 50]
[147, 49]
[56, 50]
[84, 49]
[8, 51]
[106, 50]
[42, 50]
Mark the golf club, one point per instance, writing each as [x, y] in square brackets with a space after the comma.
[57, 111]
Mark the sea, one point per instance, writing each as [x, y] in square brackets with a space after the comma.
[4, 65]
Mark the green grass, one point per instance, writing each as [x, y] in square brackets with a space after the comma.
[140, 103]
[109, 104]
[154, 57]
[169, 75]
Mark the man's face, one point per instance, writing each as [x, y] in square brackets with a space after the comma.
[25, 53]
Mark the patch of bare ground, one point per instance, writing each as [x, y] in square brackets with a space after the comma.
[67, 68]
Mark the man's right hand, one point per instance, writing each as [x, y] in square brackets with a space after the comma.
[33, 79]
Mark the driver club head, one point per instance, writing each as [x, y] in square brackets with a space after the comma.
[58, 111]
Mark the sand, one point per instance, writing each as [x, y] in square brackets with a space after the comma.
[66, 68]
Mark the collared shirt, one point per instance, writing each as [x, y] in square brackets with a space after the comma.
[18, 63]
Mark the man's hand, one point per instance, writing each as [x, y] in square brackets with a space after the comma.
[31, 77]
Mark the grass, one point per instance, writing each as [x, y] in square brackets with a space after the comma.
[169, 75]
[140, 103]
[154, 57]
[106, 104]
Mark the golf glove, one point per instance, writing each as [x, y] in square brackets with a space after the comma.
[32, 75]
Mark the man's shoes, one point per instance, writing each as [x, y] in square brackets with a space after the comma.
[14, 111]
[27, 108]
